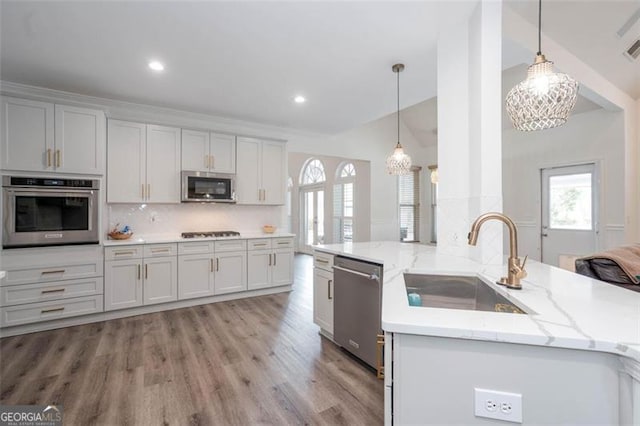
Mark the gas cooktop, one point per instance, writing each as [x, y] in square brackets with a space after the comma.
[209, 234]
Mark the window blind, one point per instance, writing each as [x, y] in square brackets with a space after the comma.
[409, 204]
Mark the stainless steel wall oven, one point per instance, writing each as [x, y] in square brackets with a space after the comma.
[40, 212]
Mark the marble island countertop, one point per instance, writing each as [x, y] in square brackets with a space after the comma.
[176, 238]
[566, 310]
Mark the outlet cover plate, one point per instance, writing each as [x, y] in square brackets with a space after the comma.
[485, 398]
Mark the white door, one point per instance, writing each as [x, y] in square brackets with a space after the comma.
[569, 213]
[230, 275]
[160, 280]
[248, 171]
[195, 276]
[126, 161]
[27, 135]
[163, 164]
[282, 267]
[312, 212]
[222, 153]
[258, 269]
[195, 150]
[122, 284]
[79, 140]
[273, 172]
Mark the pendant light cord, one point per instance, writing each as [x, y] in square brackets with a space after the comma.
[539, 26]
[398, 99]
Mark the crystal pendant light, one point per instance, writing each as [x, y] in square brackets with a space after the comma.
[398, 163]
[545, 98]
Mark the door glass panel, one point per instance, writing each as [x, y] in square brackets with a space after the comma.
[320, 216]
[40, 213]
[570, 204]
[308, 223]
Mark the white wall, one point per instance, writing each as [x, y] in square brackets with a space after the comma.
[596, 136]
[374, 141]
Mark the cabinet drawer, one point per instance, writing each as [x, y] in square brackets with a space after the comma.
[259, 244]
[278, 243]
[124, 252]
[200, 247]
[158, 250]
[58, 272]
[230, 245]
[41, 292]
[45, 311]
[323, 261]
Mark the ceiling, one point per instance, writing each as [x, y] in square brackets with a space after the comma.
[247, 60]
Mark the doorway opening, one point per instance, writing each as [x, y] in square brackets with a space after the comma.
[569, 213]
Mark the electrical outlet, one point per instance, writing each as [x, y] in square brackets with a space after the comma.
[498, 405]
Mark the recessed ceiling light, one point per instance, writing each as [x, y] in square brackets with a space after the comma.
[156, 66]
[299, 99]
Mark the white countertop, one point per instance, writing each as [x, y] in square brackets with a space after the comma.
[176, 238]
[568, 310]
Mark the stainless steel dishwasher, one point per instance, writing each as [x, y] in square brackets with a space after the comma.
[357, 307]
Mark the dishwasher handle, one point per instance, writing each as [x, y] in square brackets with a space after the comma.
[372, 277]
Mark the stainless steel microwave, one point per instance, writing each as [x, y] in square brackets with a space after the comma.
[49, 211]
[208, 187]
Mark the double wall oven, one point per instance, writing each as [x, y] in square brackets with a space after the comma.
[40, 212]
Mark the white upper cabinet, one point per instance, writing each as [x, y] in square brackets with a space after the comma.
[163, 164]
[43, 137]
[143, 163]
[208, 152]
[126, 162]
[260, 172]
[79, 140]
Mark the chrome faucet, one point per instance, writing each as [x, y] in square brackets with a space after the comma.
[516, 270]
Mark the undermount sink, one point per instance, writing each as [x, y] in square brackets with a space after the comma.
[456, 292]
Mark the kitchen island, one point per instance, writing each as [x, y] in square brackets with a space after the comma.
[574, 358]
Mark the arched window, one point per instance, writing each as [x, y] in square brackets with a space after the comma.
[313, 172]
[343, 203]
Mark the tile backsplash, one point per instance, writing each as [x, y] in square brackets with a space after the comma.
[176, 218]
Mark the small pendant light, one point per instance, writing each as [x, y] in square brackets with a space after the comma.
[545, 98]
[398, 163]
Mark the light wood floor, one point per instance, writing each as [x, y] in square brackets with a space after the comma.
[244, 362]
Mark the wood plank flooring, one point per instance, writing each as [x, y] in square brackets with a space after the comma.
[244, 362]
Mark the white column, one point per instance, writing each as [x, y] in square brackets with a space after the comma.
[470, 132]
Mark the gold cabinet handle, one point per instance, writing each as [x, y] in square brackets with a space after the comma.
[283, 242]
[122, 253]
[259, 244]
[53, 290]
[139, 272]
[321, 260]
[264, 195]
[379, 357]
[46, 311]
[217, 264]
[57, 158]
[59, 271]
[206, 161]
[213, 162]
[143, 191]
[163, 250]
[329, 296]
[146, 271]
[211, 264]
[148, 191]
[49, 157]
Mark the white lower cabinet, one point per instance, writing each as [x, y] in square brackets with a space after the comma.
[230, 272]
[269, 262]
[133, 280]
[195, 276]
[323, 291]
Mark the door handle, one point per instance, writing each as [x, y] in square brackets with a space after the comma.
[361, 274]
[217, 264]
[138, 272]
[211, 262]
[329, 296]
[274, 259]
[269, 259]
[57, 158]
[146, 271]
